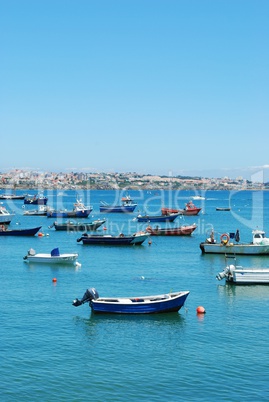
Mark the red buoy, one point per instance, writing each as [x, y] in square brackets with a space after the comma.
[54, 280]
[200, 310]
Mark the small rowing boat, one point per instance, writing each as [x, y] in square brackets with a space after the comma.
[164, 303]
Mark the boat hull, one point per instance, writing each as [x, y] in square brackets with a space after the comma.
[69, 214]
[11, 197]
[250, 277]
[35, 213]
[35, 201]
[114, 240]
[157, 218]
[118, 208]
[79, 227]
[140, 305]
[242, 249]
[20, 232]
[168, 211]
[47, 258]
[180, 231]
[190, 212]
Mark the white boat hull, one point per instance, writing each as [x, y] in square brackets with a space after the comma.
[242, 249]
[250, 276]
[47, 258]
[244, 276]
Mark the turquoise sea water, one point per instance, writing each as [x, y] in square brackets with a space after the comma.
[52, 351]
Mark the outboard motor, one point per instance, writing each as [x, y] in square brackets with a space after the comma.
[31, 252]
[223, 274]
[90, 294]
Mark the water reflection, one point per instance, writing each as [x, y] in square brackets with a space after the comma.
[166, 320]
[258, 292]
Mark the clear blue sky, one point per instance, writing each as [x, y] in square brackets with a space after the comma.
[152, 86]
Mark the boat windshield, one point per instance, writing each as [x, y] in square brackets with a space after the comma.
[259, 236]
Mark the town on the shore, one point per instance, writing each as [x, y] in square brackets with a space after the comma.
[25, 179]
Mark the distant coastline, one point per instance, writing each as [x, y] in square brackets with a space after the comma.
[22, 180]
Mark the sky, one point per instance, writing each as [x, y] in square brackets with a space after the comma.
[171, 87]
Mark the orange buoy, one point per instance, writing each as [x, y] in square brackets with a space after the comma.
[40, 234]
[104, 228]
[200, 310]
[54, 280]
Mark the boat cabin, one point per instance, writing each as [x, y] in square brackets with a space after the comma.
[259, 237]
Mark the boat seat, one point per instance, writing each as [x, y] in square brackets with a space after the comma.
[126, 300]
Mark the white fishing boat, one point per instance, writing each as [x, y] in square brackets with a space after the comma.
[226, 245]
[5, 216]
[244, 276]
[41, 211]
[53, 258]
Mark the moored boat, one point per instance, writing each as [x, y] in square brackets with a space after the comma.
[71, 226]
[185, 230]
[169, 211]
[258, 246]
[5, 216]
[223, 209]
[13, 197]
[37, 199]
[79, 211]
[54, 257]
[126, 207]
[190, 209]
[4, 231]
[41, 211]
[164, 303]
[244, 276]
[157, 218]
[117, 240]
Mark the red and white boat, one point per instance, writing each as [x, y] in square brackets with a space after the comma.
[190, 209]
[169, 211]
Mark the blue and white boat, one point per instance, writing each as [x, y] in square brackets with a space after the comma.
[126, 206]
[37, 199]
[79, 211]
[164, 303]
[54, 257]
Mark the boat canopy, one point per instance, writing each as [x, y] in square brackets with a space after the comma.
[55, 252]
